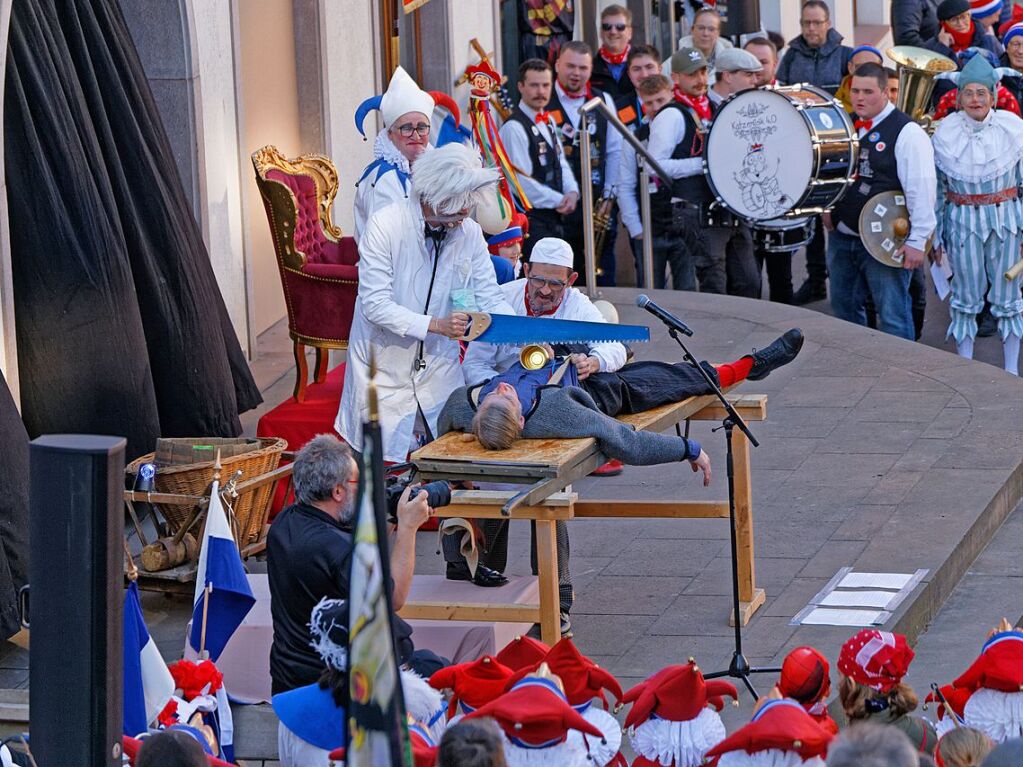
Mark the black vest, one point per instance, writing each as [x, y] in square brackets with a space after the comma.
[877, 170]
[602, 78]
[630, 110]
[570, 141]
[693, 189]
[543, 156]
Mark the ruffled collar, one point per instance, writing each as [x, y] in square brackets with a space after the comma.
[972, 151]
[384, 149]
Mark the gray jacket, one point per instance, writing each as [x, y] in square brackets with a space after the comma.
[569, 412]
[824, 67]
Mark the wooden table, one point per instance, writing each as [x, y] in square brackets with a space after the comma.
[549, 467]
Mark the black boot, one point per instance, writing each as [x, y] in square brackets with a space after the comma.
[781, 352]
[459, 571]
[811, 290]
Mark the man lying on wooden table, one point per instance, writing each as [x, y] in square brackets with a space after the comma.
[581, 399]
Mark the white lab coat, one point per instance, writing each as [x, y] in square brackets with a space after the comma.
[374, 193]
[483, 361]
[395, 265]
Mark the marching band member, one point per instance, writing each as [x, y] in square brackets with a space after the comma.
[677, 136]
[610, 66]
[894, 154]
[531, 140]
[642, 62]
[571, 90]
[767, 54]
[979, 155]
[417, 258]
[860, 55]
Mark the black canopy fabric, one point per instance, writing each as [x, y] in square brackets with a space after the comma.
[13, 511]
[121, 327]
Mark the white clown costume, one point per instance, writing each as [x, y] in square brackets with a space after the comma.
[674, 717]
[781, 734]
[988, 696]
[405, 280]
[980, 215]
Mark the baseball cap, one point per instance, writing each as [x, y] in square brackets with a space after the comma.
[685, 61]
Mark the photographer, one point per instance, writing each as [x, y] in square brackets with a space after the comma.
[308, 550]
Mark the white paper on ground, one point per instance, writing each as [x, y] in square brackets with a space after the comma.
[858, 599]
[940, 275]
[893, 581]
[824, 616]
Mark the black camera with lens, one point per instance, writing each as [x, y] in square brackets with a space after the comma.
[438, 494]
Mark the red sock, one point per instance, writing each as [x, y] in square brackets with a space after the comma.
[734, 372]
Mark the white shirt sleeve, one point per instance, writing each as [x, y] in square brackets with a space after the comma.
[611, 355]
[914, 158]
[666, 130]
[613, 150]
[376, 280]
[516, 144]
[628, 199]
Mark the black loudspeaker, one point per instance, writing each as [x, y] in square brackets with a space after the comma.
[739, 17]
[76, 575]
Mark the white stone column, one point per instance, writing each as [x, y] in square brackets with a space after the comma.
[220, 171]
[8, 341]
[781, 16]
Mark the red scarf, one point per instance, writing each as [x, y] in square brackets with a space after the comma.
[529, 309]
[614, 58]
[584, 93]
[699, 105]
[960, 40]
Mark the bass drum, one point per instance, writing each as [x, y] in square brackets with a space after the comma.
[780, 152]
[783, 235]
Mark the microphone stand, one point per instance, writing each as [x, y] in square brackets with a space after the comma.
[739, 667]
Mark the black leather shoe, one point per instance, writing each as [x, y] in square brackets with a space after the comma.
[781, 352]
[809, 291]
[459, 571]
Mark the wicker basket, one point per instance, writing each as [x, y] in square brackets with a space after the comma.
[250, 509]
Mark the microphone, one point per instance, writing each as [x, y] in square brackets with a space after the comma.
[669, 319]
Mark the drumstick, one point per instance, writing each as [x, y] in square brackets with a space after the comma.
[1014, 271]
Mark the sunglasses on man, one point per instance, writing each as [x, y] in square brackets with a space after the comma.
[619, 27]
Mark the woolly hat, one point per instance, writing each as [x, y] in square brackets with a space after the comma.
[866, 48]
[673, 719]
[805, 675]
[949, 9]
[521, 652]
[1016, 30]
[676, 693]
[980, 9]
[552, 250]
[472, 684]
[514, 233]
[536, 720]
[582, 679]
[877, 659]
[780, 725]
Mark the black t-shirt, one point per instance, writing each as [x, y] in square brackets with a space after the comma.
[308, 558]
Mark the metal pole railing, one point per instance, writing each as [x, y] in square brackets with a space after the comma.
[647, 163]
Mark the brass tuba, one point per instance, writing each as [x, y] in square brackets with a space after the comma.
[917, 68]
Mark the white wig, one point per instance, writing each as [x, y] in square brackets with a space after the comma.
[451, 178]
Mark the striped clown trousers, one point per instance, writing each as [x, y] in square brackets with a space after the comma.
[979, 265]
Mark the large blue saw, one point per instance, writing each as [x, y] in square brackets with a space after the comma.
[512, 329]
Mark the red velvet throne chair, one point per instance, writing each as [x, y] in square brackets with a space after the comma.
[318, 267]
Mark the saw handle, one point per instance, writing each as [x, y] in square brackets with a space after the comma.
[479, 322]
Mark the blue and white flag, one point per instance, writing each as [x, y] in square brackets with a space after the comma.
[221, 571]
[148, 683]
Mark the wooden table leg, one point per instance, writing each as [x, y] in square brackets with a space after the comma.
[750, 597]
[547, 573]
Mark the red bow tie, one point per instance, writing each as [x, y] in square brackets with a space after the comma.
[542, 117]
[863, 124]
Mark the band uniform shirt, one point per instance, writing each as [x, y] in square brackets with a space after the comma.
[517, 143]
[675, 146]
[613, 141]
[628, 182]
[914, 165]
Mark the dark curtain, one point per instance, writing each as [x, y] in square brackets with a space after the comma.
[13, 511]
[121, 326]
